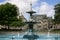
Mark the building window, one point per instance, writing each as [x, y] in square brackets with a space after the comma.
[39, 26]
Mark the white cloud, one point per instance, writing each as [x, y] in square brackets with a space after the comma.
[45, 8]
[24, 6]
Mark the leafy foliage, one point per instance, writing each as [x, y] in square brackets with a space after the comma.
[57, 14]
[8, 15]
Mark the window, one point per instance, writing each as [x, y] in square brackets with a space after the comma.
[39, 26]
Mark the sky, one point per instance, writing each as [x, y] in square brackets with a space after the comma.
[42, 7]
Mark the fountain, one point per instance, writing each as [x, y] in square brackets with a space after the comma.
[31, 35]
[49, 29]
[18, 34]
[49, 32]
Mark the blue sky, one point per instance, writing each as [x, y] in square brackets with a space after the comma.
[41, 6]
[51, 2]
[2, 0]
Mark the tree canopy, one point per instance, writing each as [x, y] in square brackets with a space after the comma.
[57, 14]
[8, 15]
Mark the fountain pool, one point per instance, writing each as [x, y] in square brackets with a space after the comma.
[20, 37]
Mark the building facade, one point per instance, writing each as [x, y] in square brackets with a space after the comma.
[42, 22]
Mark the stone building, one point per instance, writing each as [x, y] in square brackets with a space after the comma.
[43, 22]
[20, 16]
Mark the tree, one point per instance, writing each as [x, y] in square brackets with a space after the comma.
[57, 14]
[8, 15]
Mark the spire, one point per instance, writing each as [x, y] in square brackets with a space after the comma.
[20, 13]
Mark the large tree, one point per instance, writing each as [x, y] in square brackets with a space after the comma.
[57, 14]
[8, 15]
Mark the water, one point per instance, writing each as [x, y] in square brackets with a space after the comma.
[48, 34]
[20, 37]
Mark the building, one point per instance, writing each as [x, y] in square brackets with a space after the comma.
[20, 16]
[43, 22]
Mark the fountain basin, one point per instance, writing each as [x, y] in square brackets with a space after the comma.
[25, 37]
[31, 36]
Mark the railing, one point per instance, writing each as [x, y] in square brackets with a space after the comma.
[18, 38]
